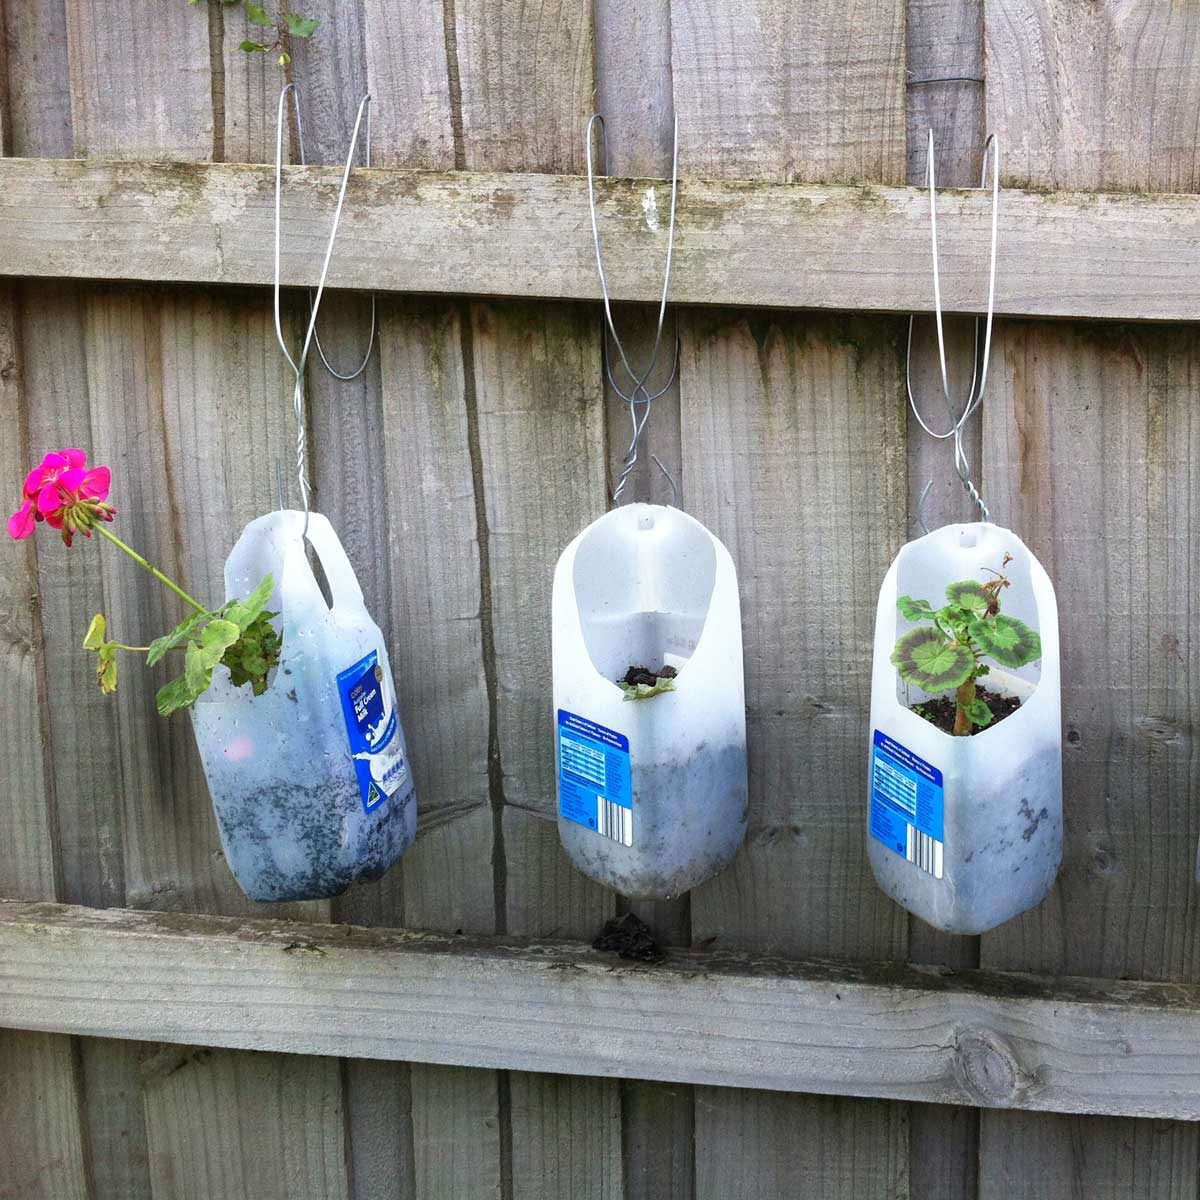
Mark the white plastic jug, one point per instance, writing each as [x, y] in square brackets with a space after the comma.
[651, 793]
[966, 832]
[310, 781]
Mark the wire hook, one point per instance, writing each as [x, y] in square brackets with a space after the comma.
[297, 365]
[638, 396]
[982, 354]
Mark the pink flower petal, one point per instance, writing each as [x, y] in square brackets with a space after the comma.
[70, 480]
[35, 481]
[54, 520]
[21, 523]
[49, 500]
[55, 462]
[95, 484]
[75, 458]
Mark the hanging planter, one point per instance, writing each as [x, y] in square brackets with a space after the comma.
[651, 776]
[310, 778]
[965, 829]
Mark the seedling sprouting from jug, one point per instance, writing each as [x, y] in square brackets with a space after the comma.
[66, 494]
[948, 653]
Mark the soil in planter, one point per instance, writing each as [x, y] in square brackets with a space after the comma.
[630, 937]
[940, 710]
[636, 675]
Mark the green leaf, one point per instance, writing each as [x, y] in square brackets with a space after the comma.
[1006, 639]
[928, 659]
[243, 613]
[978, 713]
[257, 15]
[644, 691]
[174, 695]
[94, 638]
[196, 674]
[169, 641]
[969, 595]
[301, 27]
[914, 610]
[106, 673]
[252, 47]
[217, 637]
[284, 59]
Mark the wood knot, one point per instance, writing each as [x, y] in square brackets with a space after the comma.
[987, 1068]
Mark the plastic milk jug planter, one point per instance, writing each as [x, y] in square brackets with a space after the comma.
[651, 792]
[966, 832]
[310, 781]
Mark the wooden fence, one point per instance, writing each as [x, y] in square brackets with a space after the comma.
[160, 1036]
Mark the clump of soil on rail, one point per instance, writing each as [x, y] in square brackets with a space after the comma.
[629, 937]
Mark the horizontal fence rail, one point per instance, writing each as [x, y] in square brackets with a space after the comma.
[762, 245]
[897, 1031]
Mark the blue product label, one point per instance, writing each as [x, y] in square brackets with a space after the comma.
[907, 803]
[369, 706]
[595, 785]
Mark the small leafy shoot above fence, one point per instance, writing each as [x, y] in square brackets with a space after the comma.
[280, 24]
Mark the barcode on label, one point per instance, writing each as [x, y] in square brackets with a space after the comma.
[614, 821]
[924, 851]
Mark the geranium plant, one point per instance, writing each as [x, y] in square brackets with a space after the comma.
[949, 652]
[64, 493]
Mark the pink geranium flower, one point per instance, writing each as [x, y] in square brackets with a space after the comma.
[65, 493]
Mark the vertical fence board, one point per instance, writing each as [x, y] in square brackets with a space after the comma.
[42, 1152]
[277, 1119]
[539, 403]
[92, 1085]
[944, 38]
[1104, 97]
[186, 402]
[778, 419]
[633, 86]
[811, 92]
[1089, 444]
[794, 425]
[417, 428]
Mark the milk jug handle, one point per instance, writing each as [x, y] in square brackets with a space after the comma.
[343, 584]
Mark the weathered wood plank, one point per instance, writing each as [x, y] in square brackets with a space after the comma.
[726, 1019]
[633, 86]
[534, 398]
[434, 597]
[763, 245]
[808, 92]
[944, 39]
[792, 425]
[42, 1152]
[775, 415]
[95, 1080]
[278, 1119]
[1093, 432]
[1101, 97]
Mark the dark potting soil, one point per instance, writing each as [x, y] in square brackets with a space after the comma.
[630, 937]
[636, 675]
[940, 710]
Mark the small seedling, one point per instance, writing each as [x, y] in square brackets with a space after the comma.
[948, 653]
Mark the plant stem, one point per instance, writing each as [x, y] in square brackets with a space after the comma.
[132, 649]
[137, 558]
[963, 698]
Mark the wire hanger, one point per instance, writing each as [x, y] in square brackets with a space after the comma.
[637, 395]
[311, 336]
[983, 347]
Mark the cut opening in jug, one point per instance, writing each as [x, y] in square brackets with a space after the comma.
[978, 554]
[643, 581]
